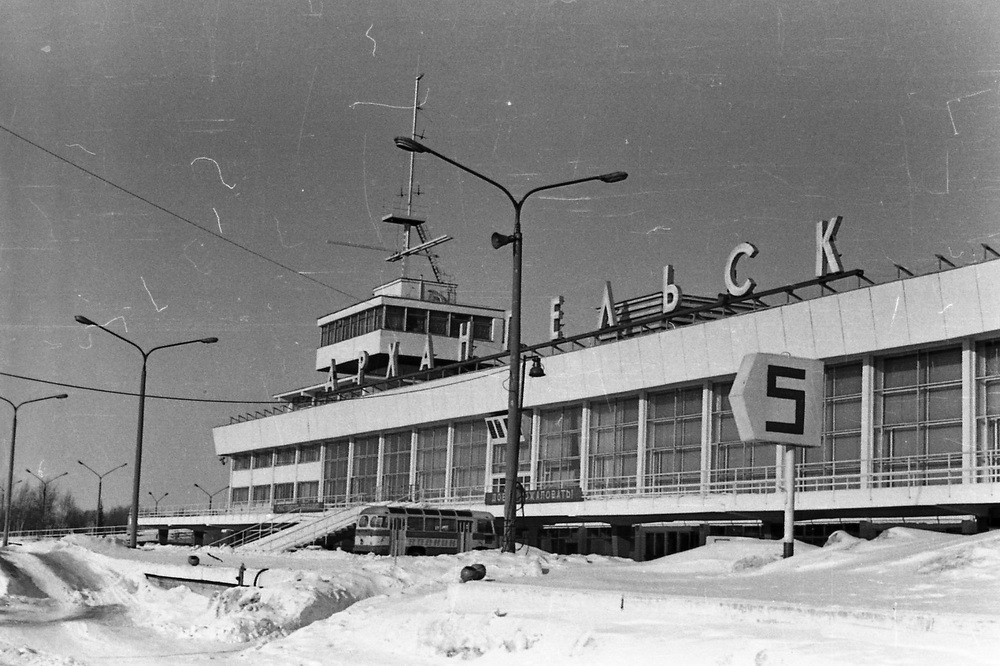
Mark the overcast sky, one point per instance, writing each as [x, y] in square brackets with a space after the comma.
[265, 129]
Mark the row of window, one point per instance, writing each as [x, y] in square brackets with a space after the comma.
[304, 491]
[289, 455]
[407, 319]
[916, 423]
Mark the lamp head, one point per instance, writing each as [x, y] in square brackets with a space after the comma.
[613, 177]
[536, 367]
[83, 320]
[209, 341]
[61, 396]
[498, 240]
[409, 145]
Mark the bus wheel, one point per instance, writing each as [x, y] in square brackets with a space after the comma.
[415, 550]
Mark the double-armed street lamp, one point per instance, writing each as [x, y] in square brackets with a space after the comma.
[156, 502]
[137, 473]
[210, 495]
[10, 464]
[498, 240]
[45, 491]
[100, 481]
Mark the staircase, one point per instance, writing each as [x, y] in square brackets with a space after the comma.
[305, 532]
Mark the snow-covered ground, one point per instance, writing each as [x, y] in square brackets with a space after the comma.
[908, 597]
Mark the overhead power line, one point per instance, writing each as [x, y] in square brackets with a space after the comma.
[136, 395]
[173, 214]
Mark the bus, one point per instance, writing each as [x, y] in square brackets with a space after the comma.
[412, 530]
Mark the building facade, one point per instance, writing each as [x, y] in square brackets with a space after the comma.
[630, 445]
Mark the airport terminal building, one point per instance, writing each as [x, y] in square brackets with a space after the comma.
[629, 445]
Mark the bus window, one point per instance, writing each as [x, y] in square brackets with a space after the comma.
[447, 525]
[432, 524]
[485, 526]
[363, 521]
[415, 523]
[377, 521]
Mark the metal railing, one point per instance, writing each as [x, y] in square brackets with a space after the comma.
[307, 531]
[839, 475]
[929, 470]
[60, 532]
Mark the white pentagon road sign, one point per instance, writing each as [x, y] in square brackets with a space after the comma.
[778, 398]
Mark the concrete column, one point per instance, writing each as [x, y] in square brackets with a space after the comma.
[867, 420]
[969, 409]
[413, 466]
[380, 467]
[585, 447]
[640, 452]
[449, 460]
[706, 435]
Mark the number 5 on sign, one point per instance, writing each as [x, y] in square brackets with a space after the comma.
[778, 398]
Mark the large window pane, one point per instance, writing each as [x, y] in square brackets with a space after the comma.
[944, 403]
[944, 366]
[469, 458]
[899, 371]
[364, 480]
[559, 448]
[988, 409]
[432, 458]
[614, 433]
[396, 466]
[919, 417]
[673, 438]
[335, 471]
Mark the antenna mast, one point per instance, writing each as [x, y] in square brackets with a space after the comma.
[409, 185]
[409, 222]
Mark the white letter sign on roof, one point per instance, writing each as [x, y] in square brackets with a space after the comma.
[778, 398]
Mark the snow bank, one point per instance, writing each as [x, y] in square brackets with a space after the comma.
[906, 597]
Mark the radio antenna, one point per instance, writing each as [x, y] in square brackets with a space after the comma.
[409, 222]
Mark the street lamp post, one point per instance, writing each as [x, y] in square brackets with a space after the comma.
[514, 336]
[156, 502]
[10, 463]
[137, 473]
[100, 481]
[210, 495]
[45, 491]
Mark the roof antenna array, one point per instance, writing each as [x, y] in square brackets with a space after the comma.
[409, 222]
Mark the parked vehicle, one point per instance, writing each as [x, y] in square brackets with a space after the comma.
[398, 530]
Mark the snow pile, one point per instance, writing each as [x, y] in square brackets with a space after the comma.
[908, 596]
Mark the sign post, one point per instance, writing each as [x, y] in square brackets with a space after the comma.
[779, 399]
